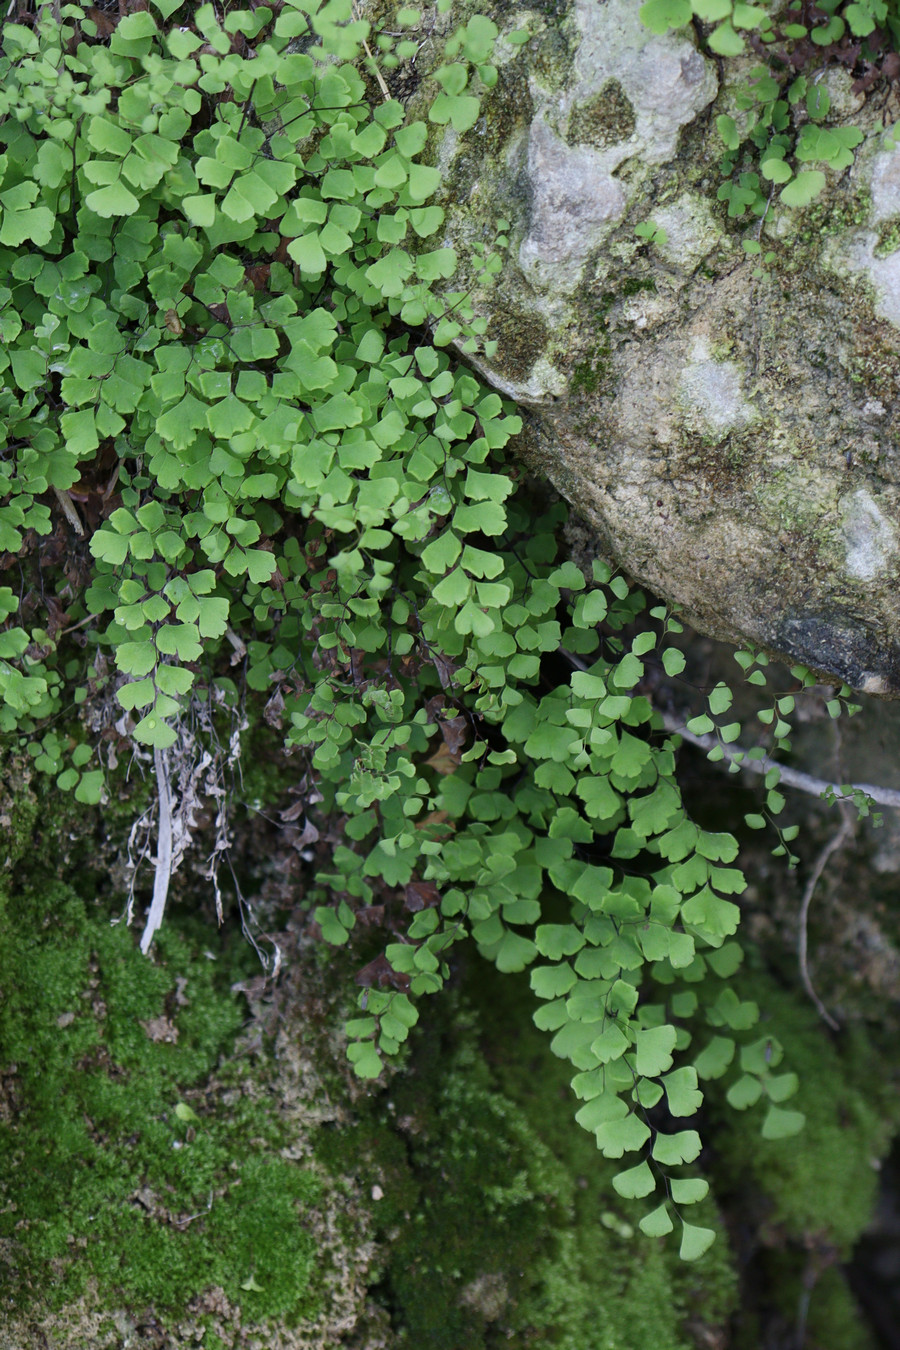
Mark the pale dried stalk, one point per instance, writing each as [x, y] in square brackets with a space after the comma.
[375, 71]
[140, 829]
[164, 851]
[68, 510]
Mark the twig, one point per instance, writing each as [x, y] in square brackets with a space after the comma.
[375, 71]
[88, 618]
[834, 843]
[163, 850]
[183, 1223]
[68, 510]
[733, 754]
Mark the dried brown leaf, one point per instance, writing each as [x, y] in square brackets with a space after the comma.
[380, 972]
[421, 895]
[454, 731]
[443, 760]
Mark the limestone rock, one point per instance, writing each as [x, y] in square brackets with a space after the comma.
[730, 438]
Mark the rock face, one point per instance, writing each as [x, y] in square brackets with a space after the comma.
[730, 438]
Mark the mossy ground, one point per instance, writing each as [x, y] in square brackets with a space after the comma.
[499, 1222]
[140, 1163]
[488, 1215]
[822, 1190]
[156, 1176]
[119, 1171]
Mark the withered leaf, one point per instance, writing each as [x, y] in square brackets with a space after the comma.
[105, 24]
[372, 916]
[433, 818]
[421, 895]
[453, 731]
[258, 275]
[444, 667]
[290, 813]
[308, 835]
[443, 760]
[273, 711]
[380, 972]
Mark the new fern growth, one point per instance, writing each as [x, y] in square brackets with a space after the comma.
[778, 143]
[234, 420]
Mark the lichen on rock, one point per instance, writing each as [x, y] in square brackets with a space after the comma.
[719, 431]
[607, 118]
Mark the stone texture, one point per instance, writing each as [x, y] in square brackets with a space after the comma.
[731, 439]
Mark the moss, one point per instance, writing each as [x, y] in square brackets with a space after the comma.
[888, 238]
[827, 216]
[507, 108]
[592, 375]
[821, 1189]
[101, 1180]
[720, 463]
[497, 1216]
[798, 1296]
[635, 285]
[550, 58]
[833, 1320]
[872, 361]
[602, 1284]
[606, 119]
[464, 1200]
[521, 339]
[18, 810]
[213, 1342]
[552, 10]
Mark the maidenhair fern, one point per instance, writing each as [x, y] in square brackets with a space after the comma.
[778, 144]
[235, 424]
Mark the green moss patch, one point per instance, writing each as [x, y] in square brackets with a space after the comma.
[824, 1187]
[119, 1172]
[607, 119]
[521, 339]
[496, 1213]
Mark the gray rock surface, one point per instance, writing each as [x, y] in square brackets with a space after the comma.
[731, 439]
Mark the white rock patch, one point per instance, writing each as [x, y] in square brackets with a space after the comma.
[883, 273]
[666, 79]
[691, 229]
[886, 186]
[576, 201]
[575, 198]
[869, 539]
[885, 276]
[843, 256]
[711, 394]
